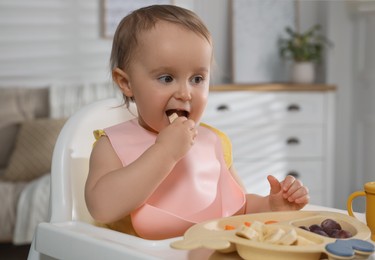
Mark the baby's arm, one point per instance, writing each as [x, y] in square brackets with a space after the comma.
[289, 194]
[254, 202]
[113, 191]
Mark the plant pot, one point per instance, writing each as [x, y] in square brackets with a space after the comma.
[303, 72]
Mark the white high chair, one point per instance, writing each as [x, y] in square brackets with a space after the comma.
[70, 233]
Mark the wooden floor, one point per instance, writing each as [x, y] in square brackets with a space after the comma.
[8, 251]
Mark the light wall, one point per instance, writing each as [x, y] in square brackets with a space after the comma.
[46, 42]
[351, 66]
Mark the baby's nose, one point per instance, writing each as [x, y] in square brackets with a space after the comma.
[183, 92]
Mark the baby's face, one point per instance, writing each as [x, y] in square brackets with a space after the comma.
[169, 73]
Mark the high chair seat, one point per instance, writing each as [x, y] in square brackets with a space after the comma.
[70, 233]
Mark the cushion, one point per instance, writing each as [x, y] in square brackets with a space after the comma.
[32, 155]
[16, 106]
[8, 137]
[10, 117]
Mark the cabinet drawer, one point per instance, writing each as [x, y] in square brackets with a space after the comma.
[259, 108]
[254, 176]
[275, 142]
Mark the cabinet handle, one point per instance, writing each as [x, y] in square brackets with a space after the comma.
[293, 108]
[292, 141]
[222, 107]
[294, 174]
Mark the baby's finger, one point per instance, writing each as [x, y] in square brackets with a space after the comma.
[275, 185]
[303, 200]
[299, 195]
[297, 184]
[178, 118]
[195, 133]
[190, 123]
[287, 182]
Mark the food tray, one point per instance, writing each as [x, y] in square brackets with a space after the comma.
[212, 235]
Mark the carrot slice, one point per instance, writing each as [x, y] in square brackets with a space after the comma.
[248, 224]
[229, 227]
[270, 222]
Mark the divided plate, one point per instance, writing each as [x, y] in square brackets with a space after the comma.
[212, 234]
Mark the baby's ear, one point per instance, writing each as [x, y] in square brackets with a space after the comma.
[122, 80]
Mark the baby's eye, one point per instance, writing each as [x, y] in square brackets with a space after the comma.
[197, 79]
[165, 79]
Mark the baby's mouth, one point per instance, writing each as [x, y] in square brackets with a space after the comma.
[184, 113]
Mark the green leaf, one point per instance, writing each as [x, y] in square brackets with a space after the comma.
[307, 46]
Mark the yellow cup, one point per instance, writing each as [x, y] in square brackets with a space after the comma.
[369, 193]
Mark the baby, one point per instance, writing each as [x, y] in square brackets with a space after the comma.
[153, 178]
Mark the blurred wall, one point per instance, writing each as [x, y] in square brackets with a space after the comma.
[44, 42]
[351, 66]
[49, 41]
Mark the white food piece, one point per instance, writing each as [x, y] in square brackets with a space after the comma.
[289, 237]
[172, 117]
[259, 227]
[269, 234]
[248, 232]
[274, 236]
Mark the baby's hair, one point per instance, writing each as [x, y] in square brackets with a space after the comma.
[125, 40]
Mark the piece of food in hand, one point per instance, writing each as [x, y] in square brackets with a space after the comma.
[172, 117]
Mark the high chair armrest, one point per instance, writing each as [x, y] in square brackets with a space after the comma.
[88, 242]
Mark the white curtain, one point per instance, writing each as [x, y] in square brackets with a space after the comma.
[66, 99]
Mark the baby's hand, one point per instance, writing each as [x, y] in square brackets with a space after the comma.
[290, 194]
[178, 137]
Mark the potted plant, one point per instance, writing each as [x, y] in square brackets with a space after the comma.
[305, 50]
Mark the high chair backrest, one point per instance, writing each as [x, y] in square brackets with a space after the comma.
[71, 156]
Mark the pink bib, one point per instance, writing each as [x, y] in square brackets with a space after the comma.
[199, 188]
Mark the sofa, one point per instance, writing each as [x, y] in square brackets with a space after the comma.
[30, 122]
[27, 138]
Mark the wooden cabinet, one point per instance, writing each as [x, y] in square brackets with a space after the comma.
[278, 129]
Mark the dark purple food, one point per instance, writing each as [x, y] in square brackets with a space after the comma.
[315, 227]
[320, 232]
[328, 228]
[305, 228]
[329, 224]
[341, 234]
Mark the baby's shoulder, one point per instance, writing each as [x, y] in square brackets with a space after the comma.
[117, 128]
[98, 133]
[216, 131]
[225, 143]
